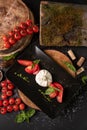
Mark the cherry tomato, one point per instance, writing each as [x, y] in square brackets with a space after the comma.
[35, 28]
[10, 108]
[3, 96]
[60, 94]
[12, 40]
[11, 33]
[17, 29]
[8, 81]
[9, 93]
[4, 83]
[29, 31]
[17, 35]
[3, 110]
[5, 102]
[7, 45]
[10, 86]
[22, 106]
[29, 22]
[23, 32]
[1, 103]
[11, 101]
[4, 89]
[23, 25]
[15, 107]
[60, 97]
[25, 62]
[5, 38]
[32, 70]
[53, 94]
[17, 101]
[29, 69]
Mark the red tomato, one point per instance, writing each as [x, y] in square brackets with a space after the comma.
[3, 96]
[29, 69]
[58, 85]
[9, 93]
[5, 38]
[17, 101]
[36, 71]
[25, 62]
[23, 32]
[60, 97]
[35, 29]
[4, 89]
[5, 102]
[9, 108]
[17, 35]
[7, 45]
[8, 81]
[17, 29]
[11, 33]
[53, 94]
[60, 94]
[36, 68]
[10, 86]
[11, 101]
[4, 83]
[1, 103]
[32, 69]
[22, 106]
[29, 22]
[23, 25]
[15, 107]
[3, 110]
[29, 31]
[12, 40]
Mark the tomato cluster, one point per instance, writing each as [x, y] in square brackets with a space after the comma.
[25, 28]
[8, 102]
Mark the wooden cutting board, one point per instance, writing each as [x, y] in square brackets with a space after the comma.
[56, 56]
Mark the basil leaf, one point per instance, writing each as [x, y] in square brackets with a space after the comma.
[84, 79]
[70, 66]
[20, 118]
[30, 113]
[36, 61]
[10, 57]
[24, 116]
[49, 91]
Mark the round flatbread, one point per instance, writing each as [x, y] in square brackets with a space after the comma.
[12, 13]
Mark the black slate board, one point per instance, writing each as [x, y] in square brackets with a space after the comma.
[33, 91]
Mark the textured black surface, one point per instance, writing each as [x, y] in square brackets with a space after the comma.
[74, 116]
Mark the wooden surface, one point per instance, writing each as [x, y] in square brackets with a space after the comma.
[58, 57]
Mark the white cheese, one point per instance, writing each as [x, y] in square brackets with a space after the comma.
[43, 78]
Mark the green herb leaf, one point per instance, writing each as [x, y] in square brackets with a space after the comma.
[30, 113]
[24, 116]
[10, 57]
[36, 61]
[84, 79]
[49, 91]
[20, 117]
[70, 66]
